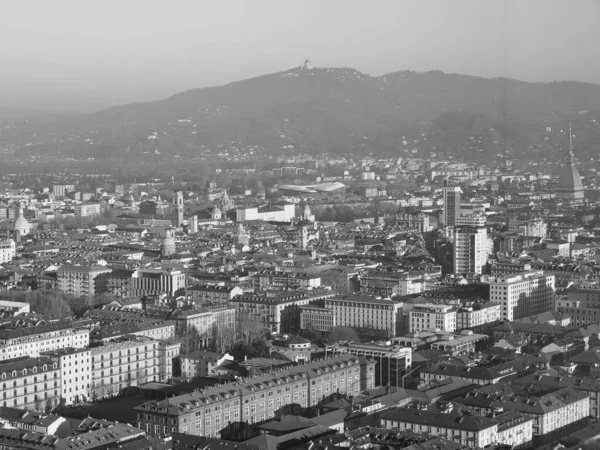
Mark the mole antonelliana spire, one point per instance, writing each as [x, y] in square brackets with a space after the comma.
[569, 180]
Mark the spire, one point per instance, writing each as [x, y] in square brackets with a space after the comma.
[570, 155]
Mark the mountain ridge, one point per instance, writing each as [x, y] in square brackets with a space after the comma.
[316, 110]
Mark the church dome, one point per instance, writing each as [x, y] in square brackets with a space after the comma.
[21, 224]
[168, 246]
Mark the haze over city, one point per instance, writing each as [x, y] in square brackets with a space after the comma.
[83, 56]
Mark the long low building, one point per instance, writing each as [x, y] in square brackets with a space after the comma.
[369, 315]
[472, 431]
[32, 340]
[251, 400]
[278, 311]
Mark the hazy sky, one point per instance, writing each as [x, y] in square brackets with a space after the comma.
[85, 55]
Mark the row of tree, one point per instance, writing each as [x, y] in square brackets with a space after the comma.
[57, 304]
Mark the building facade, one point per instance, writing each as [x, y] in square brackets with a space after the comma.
[8, 250]
[122, 364]
[30, 383]
[87, 210]
[32, 341]
[82, 280]
[205, 413]
[451, 196]
[470, 250]
[371, 316]
[75, 367]
[582, 304]
[523, 295]
[277, 311]
[430, 317]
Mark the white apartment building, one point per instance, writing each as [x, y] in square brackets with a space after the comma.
[87, 209]
[368, 314]
[122, 364]
[30, 383]
[470, 250]
[475, 316]
[167, 353]
[75, 373]
[31, 341]
[271, 213]
[523, 295]
[427, 316]
[8, 250]
[471, 220]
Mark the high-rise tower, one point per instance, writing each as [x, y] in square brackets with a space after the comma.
[177, 218]
[569, 181]
[451, 204]
[470, 250]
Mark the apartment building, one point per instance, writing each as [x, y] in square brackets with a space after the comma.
[386, 284]
[430, 317]
[468, 430]
[542, 382]
[211, 293]
[451, 197]
[582, 304]
[82, 280]
[285, 281]
[419, 221]
[470, 250]
[205, 413]
[550, 411]
[277, 311]
[523, 295]
[200, 319]
[471, 220]
[167, 358]
[75, 368]
[202, 363]
[528, 226]
[31, 341]
[87, 210]
[146, 282]
[8, 250]
[502, 268]
[224, 315]
[30, 383]
[475, 316]
[369, 315]
[122, 364]
[391, 361]
[316, 318]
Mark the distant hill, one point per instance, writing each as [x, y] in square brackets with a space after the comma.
[320, 110]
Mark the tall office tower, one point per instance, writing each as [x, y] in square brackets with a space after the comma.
[470, 249]
[451, 204]
[523, 295]
[177, 219]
